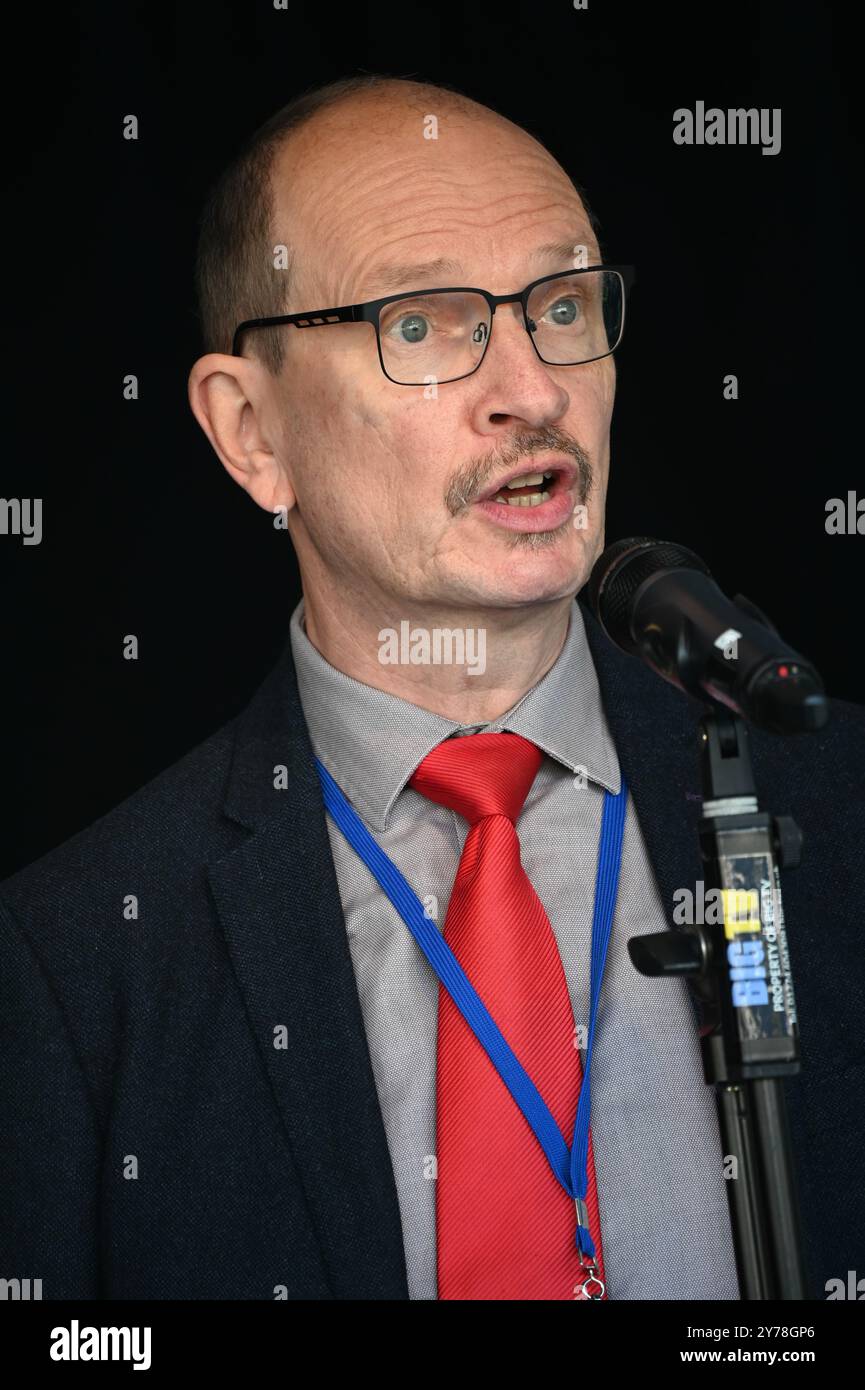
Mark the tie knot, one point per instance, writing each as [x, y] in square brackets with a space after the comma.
[479, 775]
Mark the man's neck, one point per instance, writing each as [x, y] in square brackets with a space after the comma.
[469, 667]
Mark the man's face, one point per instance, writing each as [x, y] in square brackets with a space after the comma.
[386, 484]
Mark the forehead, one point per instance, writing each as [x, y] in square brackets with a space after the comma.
[359, 195]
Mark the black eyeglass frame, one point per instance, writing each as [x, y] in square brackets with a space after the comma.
[369, 312]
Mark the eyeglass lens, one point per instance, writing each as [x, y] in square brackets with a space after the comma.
[443, 336]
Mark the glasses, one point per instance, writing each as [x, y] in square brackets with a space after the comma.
[441, 335]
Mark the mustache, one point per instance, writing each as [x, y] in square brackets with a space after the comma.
[467, 485]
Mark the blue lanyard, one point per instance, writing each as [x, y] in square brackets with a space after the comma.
[569, 1166]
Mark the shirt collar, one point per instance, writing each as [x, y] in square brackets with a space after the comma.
[371, 741]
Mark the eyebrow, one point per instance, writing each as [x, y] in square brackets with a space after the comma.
[406, 275]
[564, 250]
[409, 275]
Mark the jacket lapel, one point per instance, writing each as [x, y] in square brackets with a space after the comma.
[278, 901]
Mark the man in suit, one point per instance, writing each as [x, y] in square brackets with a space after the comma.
[229, 1069]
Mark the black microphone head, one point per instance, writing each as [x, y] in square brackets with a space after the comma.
[620, 571]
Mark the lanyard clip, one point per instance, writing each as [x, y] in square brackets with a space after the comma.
[585, 1290]
[593, 1286]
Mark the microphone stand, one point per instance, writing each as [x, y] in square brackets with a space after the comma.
[740, 970]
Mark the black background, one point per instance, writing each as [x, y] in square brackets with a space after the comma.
[746, 264]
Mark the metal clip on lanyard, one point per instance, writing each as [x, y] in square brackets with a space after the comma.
[588, 1262]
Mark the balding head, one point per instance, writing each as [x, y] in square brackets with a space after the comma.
[301, 173]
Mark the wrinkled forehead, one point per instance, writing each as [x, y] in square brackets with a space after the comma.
[361, 192]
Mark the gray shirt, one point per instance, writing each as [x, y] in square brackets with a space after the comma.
[665, 1222]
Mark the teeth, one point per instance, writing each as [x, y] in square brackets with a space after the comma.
[528, 480]
[534, 500]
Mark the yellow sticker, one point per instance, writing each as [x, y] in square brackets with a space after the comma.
[741, 912]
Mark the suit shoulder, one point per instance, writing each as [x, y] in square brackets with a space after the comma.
[835, 752]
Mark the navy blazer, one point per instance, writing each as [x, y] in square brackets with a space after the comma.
[157, 1144]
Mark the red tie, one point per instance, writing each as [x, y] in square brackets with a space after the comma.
[505, 1226]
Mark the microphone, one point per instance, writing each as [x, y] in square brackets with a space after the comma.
[658, 601]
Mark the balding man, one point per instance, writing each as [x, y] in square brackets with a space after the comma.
[381, 918]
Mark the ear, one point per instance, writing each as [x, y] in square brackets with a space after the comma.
[229, 397]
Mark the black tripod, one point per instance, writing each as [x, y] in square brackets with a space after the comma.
[738, 961]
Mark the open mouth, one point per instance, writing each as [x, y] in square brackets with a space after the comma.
[529, 490]
[538, 501]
